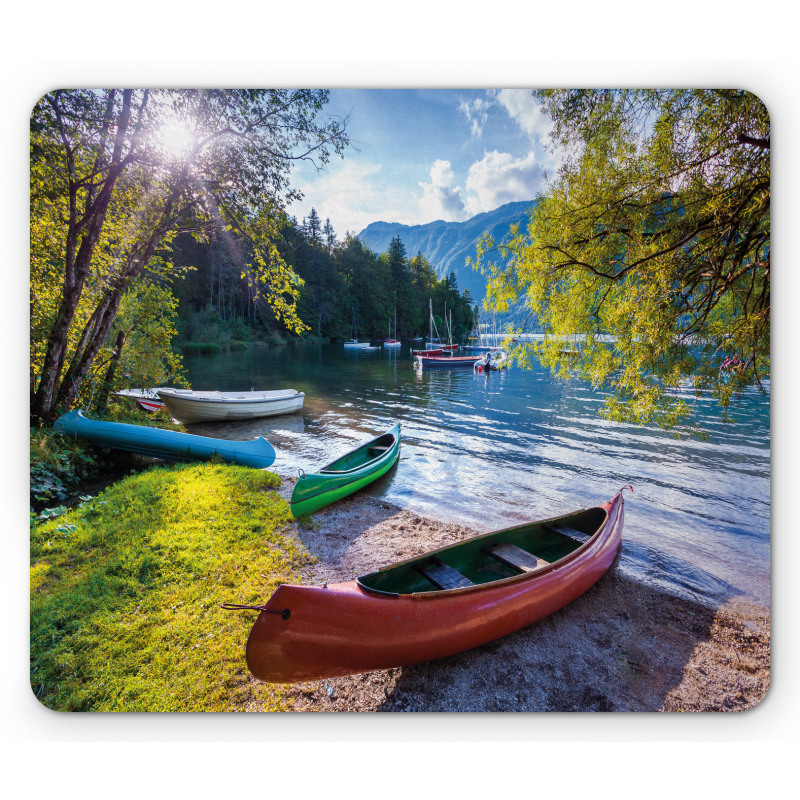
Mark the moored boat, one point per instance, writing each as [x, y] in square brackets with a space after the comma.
[161, 443]
[188, 406]
[433, 342]
[436, 604]
[352, 342]
[437, 352]
[494, 359]
[446, 361]
[450, 348]
[392, 341]
[347, 474]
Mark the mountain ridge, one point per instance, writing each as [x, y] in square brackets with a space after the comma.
[447, 245]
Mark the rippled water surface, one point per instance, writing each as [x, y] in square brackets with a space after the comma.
[491, 450]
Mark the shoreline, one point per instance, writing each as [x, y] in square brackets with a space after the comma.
[622, 646]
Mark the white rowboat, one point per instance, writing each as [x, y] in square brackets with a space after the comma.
[188, 406]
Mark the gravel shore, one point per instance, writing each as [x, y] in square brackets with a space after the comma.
[622, 646]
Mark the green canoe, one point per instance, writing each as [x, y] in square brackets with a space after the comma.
[347, 474]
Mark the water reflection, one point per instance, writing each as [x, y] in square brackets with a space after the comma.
[492, 449]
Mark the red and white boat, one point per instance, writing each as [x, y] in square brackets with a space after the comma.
[415, 353]
[390, 342]
[146, 399]
[433, 345]
[436, 604]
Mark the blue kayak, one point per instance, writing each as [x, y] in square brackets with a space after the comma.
[162, 443]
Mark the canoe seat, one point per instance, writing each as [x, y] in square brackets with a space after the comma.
[443, 575]
[570, 533]
[379, 449]
[516, 557]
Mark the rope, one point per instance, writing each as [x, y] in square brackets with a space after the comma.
[78, 394]
[626, 486]
[235, 607]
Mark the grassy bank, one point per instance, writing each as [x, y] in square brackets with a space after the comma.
[60, 465]
[126, 591]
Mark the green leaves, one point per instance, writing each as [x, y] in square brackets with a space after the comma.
[651, 247]
[115, 174]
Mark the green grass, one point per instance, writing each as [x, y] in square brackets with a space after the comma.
[126, 592]
[59, 464]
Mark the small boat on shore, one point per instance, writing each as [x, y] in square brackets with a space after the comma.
[347, 474]
[446, 361]
[437, 604]
[161, 443]
[188, 406]
[146, 399]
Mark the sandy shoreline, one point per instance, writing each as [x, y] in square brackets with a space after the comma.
[622, 646]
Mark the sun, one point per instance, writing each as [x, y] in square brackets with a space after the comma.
[175, 139]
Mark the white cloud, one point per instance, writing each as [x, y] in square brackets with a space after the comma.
[345, 194]
[441, 198]
[476, 112]
[500, 178]
[526, 112]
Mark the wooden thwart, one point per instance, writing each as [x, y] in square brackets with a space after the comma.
[570, 533]
[443, 575]
[516, 557]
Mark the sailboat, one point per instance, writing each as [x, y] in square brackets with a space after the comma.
[392, 342]
[476, 340]
[432, 346]
[353, 341]
[449, 347]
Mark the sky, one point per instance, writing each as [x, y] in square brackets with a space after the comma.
[420, 155]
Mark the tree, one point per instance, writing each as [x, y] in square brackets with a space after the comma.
[116, 174]
[313, 229]
[330, 236]
[651, 246]
[401, 280]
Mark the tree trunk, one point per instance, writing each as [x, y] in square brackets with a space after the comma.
[90, 224]
[108, 381]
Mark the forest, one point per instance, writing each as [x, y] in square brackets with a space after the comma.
[342, 283]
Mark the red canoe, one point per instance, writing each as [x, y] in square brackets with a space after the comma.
[437, 604]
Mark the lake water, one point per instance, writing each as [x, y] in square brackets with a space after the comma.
[492, 450]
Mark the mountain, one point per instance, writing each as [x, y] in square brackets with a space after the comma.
[447, 245]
